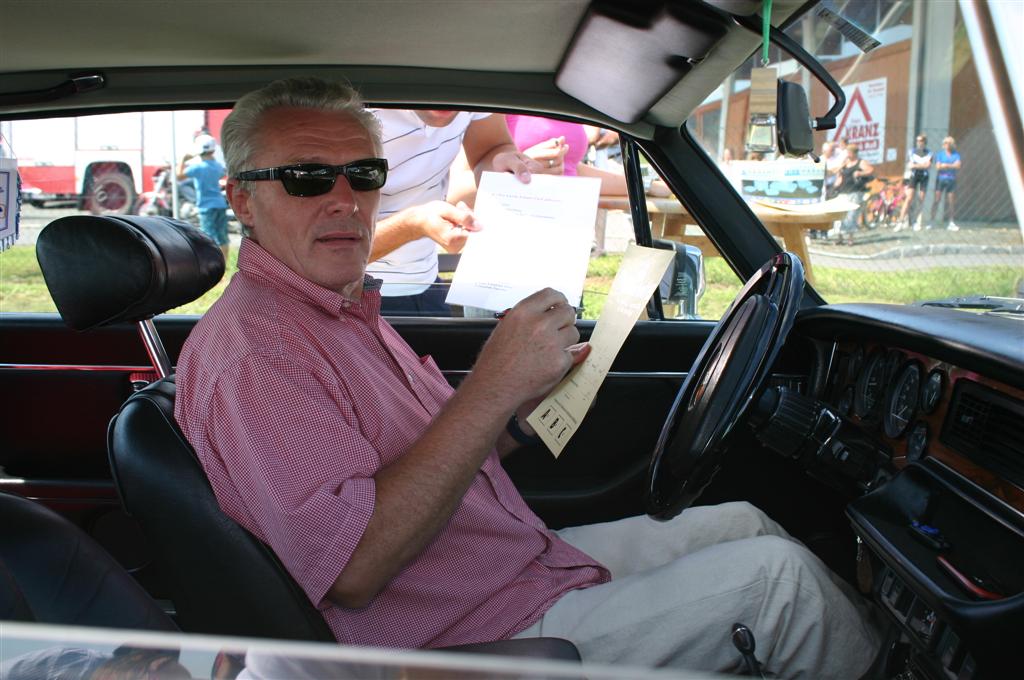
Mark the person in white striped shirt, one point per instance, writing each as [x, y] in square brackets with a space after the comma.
[414, 218]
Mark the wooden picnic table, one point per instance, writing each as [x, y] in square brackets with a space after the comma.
[670, 219]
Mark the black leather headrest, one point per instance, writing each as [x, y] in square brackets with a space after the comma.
[112, 268]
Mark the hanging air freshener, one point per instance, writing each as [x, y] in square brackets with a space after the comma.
[762, 126]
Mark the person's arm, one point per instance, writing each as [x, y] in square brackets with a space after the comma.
[489, 146]
[525, 357]
[864, 169]
[182, 166]
[506, 444]
[446, 224]
[545, 158]
[839, 177]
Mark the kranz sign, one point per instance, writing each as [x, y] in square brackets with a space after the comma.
[863, 119]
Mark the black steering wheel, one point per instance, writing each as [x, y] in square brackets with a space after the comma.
[718, 391]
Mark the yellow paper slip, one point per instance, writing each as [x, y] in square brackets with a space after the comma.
[560, 414]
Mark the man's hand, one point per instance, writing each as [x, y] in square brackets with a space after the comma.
[446, 224]
[519, 164]
[579, 352]
[530, 350]
[550, 154]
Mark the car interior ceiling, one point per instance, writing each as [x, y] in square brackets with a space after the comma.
[685, 34]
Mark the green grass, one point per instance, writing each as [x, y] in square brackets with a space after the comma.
[901, 287]
[22, 288]
[21, 283]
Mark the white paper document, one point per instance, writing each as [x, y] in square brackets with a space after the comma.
[560, 414]
[532, 236]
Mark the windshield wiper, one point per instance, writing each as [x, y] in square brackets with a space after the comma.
[988, 304]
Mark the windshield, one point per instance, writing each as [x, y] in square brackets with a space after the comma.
[909, 201]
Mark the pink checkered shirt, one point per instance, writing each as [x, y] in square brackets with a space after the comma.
[294, 398]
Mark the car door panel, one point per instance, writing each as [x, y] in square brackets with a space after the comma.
[70, 383]
[599, 475]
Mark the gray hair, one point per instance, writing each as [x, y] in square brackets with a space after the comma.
[242, 126]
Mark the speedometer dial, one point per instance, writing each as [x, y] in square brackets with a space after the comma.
[902, 401]
[870, 385]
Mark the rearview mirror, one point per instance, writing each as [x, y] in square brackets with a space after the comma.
[793, 120]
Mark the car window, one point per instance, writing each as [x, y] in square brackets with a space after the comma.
[119, 163]
[920, 208]
[125, 163]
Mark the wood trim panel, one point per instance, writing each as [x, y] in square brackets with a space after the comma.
[1007, 492]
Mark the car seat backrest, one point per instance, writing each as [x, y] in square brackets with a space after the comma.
[223, 580]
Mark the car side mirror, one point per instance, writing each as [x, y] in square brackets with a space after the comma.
[795, 136]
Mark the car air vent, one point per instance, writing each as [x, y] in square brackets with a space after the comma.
[986, 427]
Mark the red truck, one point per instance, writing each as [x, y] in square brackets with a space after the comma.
[102, 163]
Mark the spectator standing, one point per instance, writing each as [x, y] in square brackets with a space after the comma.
[915, 181]
[833, 158]
[947, 166]
[420, 147]
[853, 179]
[567, 143]
[205, 171]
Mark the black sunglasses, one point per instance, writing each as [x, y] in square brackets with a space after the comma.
[314, 179]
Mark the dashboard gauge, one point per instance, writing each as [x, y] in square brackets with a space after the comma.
[855, 363]
[845, 401]
[917, 442]
[902, 400]
[931, 391]
[893, 360]
[870, 386]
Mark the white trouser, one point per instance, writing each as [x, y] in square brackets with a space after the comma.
[677, 587]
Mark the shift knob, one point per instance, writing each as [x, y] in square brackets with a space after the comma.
[743, 641]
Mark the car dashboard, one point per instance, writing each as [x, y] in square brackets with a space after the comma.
[917, 413]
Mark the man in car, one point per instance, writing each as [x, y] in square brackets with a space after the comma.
[414, 218]
[381, 489]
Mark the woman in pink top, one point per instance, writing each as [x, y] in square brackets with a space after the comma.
[543, 134]
[559, 145]
[557, 141]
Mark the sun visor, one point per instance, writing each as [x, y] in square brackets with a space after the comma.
[622, 60]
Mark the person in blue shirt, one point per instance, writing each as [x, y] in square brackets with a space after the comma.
[947, 166]
[206, 172]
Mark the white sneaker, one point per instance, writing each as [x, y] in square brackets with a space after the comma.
[952, 227]
[928, 226]
[917, 226]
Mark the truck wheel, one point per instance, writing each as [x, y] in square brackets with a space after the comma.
[111, 192]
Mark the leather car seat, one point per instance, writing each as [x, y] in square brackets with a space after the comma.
[103, 270]
[222, 579]
[53, 572]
